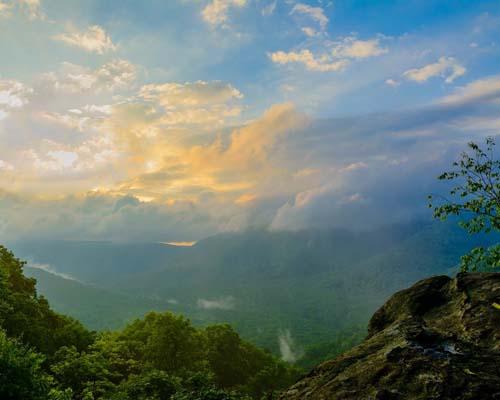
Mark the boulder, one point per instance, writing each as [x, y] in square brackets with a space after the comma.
[439, 339]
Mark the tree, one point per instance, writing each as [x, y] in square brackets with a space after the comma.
[87, 374]
[21, 374]
[151, 385]
[26, 315]
[168, 342]
[476, 198]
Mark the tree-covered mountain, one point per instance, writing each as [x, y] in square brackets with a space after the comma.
[48, 356]
[285, 291]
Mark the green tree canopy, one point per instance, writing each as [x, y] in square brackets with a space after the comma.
[475, 198]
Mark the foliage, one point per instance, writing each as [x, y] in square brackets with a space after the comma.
[25, 314]
[160, 357]
[340, 343]
[21, 374]
[476, 198]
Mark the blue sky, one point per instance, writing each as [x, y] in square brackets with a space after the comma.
[185, 118]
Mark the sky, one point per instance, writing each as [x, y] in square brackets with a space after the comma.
[176, 120]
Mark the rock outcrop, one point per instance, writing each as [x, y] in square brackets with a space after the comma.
[439, 339]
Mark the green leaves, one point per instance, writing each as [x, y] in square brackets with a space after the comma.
[21, 374]
[160, 357]
[475, 198]
[481, 259]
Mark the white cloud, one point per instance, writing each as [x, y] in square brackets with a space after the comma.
[5, 9]
[32, 8]
[316, 13]
[74, 78]
[51, 270]
[197, 102]
[351, 47]
[338, 57]
[29, 8]
[173, 95]
[269, 9]
[446, 67]
[392, 82]
[322, 63]
[487, 89]
[13, 95]
[223, 303]
[311, 32]
[5, 166]
[64, 159]
[216, 12]
[94, 39]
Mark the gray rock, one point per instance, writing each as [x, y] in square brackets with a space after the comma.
[439, 339]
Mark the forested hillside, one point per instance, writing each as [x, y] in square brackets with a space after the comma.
[45, 355]
[308, 294]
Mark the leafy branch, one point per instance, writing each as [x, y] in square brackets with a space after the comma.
[476, 197]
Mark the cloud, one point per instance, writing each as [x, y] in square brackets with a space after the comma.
[74, 78]
[446, 67]
[311, 32]
[94, 39]
[5, 166]
[32, 8]
[200, 93]
[13, 95]
[193, 103]
[482, 90]
[322, 63]
[5, 9]
[337, 56]
[29, 8]
[100, 216]
[288, 349]
[315, 13]
[223, 303]
[216, 12]
[392, 82]
[351, 47]
[51, 270]
[269, 9]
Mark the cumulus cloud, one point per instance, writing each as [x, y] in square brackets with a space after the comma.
[32, 8]
[94, 39]
[108, 168]
[311, 32]
[322, 63]
[336, 57]
[392, 82]
[5, 166]
[100, 216]
[446, 67]
[13, 94]
[223, 303]
[29, 8]
[351, 47]
[74, 78]
[197, 93]
[315, 13]
[216, 12]
[5, 9]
